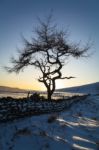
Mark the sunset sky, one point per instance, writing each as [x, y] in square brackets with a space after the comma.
[19, 17]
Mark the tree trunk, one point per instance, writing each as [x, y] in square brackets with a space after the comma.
[49, 95]
[51, 91]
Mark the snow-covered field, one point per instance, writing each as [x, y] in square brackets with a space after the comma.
[74, 129]
[92, 88]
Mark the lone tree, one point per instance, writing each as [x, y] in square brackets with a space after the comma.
[48, 52]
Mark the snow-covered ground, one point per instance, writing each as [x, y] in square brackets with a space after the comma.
[92, 88]
[74, 129]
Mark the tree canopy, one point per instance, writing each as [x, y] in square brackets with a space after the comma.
[48, 51]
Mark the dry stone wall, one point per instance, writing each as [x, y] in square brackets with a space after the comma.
[11, 109]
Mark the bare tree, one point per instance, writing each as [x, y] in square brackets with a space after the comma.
[48, 52]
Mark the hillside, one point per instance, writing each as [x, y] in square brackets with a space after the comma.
[74, 129]
[11, 89]
[92, 88]
[88, 88]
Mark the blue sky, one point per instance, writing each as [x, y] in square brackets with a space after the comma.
[19, 17]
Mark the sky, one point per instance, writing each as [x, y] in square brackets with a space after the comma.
[19, 17]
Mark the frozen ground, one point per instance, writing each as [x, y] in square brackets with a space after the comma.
[92, 88]
[74, 129]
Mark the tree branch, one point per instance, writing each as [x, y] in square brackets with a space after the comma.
[67, 77]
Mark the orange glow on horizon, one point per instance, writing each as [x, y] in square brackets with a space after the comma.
[26, 87]
[27, 80]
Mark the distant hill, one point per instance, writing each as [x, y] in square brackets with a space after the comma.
[11, 89]
[92, 88]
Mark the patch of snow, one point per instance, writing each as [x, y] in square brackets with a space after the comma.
[92, 88]
[74, 129]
